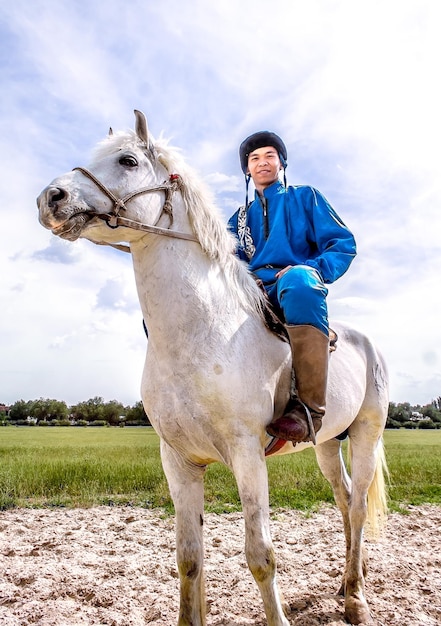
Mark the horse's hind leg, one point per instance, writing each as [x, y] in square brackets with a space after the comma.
[331, 463]
[187, 491]
[366, 463]
[329, 458]
[252, 480]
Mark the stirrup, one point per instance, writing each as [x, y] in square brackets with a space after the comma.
[309, 422]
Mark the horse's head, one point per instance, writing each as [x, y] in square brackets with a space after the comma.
[125, 179]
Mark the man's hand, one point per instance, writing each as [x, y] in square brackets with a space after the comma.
[285, 269]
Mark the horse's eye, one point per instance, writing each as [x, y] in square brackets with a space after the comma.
[128, 161]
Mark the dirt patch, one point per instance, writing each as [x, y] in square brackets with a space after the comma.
[116, 567]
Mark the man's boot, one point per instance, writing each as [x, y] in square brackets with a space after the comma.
[303, 417]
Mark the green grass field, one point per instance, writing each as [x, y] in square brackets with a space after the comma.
[81, 467]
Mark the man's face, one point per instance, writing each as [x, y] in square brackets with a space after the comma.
[264, 166]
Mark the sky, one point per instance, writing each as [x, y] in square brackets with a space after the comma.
[352, 87]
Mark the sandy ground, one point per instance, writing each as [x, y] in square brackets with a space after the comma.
[116, 567]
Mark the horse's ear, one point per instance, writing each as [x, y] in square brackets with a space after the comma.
[110, 131]
[141, 127]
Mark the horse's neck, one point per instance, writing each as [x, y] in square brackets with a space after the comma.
[181, 291]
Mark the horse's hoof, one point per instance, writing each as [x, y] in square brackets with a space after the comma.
[357, 612]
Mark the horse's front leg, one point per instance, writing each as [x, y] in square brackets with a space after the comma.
[250, 470]
[186, 484]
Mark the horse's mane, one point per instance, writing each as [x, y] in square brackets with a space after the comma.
[204, 215]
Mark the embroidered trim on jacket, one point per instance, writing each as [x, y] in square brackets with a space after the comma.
[244, 233]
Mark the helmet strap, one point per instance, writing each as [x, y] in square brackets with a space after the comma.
[284, 165]
[247, 183]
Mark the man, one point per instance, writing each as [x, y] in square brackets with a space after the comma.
[295, 243]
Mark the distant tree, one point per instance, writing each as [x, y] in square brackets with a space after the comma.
[398, 414]
[112, 411]
[431, 412]
[47, 410]
[20, 410]
[3, 418]
[90, 411]
[390, 423]
[3, 414]
[78, 412]
[404, 411]
[136, 414]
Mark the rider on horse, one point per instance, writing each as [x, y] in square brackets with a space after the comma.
[294, 243]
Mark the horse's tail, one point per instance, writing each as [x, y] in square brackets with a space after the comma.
[377, 508]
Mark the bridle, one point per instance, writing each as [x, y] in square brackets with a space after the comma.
[114, 219]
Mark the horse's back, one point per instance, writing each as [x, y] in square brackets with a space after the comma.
[358, 378]
[360, 352]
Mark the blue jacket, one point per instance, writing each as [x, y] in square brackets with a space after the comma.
[297, 227]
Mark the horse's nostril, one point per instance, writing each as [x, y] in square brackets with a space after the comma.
[55, 195]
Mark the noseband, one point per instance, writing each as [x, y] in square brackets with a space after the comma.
[114, 219]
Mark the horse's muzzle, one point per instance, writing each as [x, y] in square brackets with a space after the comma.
[52, 204]
[60, 214]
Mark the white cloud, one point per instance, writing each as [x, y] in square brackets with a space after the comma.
[116, 294]
[58, 251]
[223, 183]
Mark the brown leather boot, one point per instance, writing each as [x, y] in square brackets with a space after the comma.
[303, 417]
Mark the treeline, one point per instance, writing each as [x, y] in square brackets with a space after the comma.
[93, 412]
[96, 412]
[403, 415]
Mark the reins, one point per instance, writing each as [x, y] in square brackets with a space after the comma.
[114, 219]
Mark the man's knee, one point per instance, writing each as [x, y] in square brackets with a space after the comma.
[302, 297]
[303, 281]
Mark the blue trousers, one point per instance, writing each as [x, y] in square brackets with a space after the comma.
[300, 295]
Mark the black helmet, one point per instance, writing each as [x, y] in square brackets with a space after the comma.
[260, 140]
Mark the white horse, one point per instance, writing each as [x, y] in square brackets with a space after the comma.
[214, 374]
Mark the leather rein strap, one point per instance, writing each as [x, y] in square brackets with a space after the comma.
[114, 219]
